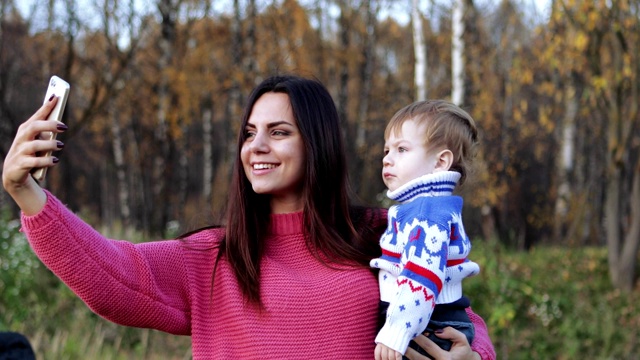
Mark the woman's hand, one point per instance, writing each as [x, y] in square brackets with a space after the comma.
[21, 159]
[460, 349]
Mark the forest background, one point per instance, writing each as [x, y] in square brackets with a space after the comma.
[156, 95]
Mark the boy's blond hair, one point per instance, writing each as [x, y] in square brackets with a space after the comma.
[445, 125]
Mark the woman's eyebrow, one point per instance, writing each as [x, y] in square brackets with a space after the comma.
[271, 124]
[278, 123]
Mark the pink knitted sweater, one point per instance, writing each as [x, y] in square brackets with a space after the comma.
[310, 310]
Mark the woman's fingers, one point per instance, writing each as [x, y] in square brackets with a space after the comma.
[460, 349]
[37, 124]
[453, 335]
[22, 157]
[429, 346]
[43, 112]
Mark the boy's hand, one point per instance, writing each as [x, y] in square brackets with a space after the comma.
[386, 353]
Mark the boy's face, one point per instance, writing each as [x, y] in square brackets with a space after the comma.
[406, 156]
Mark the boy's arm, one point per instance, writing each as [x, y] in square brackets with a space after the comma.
[419, 284]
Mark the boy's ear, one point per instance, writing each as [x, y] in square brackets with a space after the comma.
[444, 160]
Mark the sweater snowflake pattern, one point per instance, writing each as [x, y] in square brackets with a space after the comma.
[424, 256]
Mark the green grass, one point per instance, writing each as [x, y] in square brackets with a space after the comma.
[553, 303]
[549, 303]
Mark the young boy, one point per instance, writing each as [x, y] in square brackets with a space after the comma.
[428, 147]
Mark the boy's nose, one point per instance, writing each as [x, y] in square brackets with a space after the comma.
[386, 160]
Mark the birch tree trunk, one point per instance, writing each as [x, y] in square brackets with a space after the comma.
[457, 53]
[564, 162]
[121, 175]
[420, 53]
[122, 210]
[135, 198]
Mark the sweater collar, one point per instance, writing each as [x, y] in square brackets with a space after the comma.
[286, 224]
[437, 184]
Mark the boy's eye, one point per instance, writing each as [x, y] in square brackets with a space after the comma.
[386, 151]
[402, 149]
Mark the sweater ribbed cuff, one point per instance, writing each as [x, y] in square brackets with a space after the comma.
[45, 216]
[450, 293]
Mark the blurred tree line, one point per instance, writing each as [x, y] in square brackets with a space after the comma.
[158, 86]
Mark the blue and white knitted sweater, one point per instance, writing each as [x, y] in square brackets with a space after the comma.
[424, 256]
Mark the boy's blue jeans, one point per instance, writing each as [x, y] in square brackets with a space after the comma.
[445, 315]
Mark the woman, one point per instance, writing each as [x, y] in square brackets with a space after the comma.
[290, 267]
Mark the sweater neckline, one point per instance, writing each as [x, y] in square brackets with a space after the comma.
[441, 183]
[286, 224]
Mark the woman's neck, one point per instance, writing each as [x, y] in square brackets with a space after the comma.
[286, 205]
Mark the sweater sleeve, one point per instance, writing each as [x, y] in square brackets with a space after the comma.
[141, 285]
[481, 342]
[419, 283]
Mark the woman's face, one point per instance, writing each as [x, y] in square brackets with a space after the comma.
[273, 153]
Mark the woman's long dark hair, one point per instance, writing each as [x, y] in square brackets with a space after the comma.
[328, 216]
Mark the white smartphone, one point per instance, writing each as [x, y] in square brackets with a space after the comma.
[60, 89]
